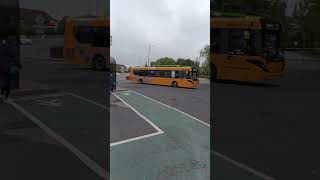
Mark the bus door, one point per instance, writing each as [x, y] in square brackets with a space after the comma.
[150, 77]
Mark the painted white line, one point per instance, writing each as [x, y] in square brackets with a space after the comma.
[173, 108]
[135, 139]
[238, 164]
[31, 97]
[142, 116]
[159, 131]
[88, 100]
[243, 166]
[83, 157]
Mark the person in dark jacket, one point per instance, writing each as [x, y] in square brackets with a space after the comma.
[9, 67]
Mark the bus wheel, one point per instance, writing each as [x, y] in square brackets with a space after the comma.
[99, 63]
[174, 84]
[140, 81]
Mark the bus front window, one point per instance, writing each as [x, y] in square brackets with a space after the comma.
[195, 75]
[271, 48]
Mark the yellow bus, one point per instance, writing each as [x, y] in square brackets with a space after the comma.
[186, 77]
[87, 40]
[245, 49]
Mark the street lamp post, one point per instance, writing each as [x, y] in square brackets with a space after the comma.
[149, 56]
[148, 61]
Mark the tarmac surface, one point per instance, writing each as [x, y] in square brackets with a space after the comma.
[272, 126]
[265, 130]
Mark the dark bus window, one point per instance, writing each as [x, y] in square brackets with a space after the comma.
[235, 40]
[152, 73]
[183, 74]
[168, 74]
[177, 74]
[142, 73]
[101, 37]
[84, 34]
[219, 40]
[162, 74]
[135, 72]
[157, 74]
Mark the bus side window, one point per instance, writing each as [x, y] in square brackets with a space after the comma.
[168, 74]
[173, 74]
[183, 74]
[157, 73]
[177, 74]
[135, 72]
[142, 73]
[162, 74]
[152, 73]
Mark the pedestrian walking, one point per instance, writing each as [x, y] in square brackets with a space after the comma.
[9, 67]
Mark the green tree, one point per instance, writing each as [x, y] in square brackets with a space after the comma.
[306, 12]
[205, 57]
[185, 62]
[164, 61]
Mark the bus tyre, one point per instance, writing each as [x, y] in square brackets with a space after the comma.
[140, 81]
[99, 63]
[174, 84]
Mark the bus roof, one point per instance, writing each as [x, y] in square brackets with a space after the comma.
[230, 20]
[92, 21]
[163, 68]
[229, 14]
[169, 66]
[236, 22]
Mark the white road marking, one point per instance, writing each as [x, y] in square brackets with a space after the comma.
[135, 139]
[32, 97]
[243, 166]
[173, 109]
[159, 131]
[83, 157]
[50, 103]
[89, 101]
[226, 158]
[100, 170]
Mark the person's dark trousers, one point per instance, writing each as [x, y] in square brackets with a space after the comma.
[5, 91]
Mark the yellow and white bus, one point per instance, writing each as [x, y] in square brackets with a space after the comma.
[175, 76]
[87, 40]
[245, 49]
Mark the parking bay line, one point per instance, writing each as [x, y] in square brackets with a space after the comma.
[224, 157]
[83, 157]
[159, 131]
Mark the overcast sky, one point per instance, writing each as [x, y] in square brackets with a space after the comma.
[175, 28]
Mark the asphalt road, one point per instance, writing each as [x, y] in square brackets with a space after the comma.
[89, 84]
[195, 102]
[273, 126]
[34, 152]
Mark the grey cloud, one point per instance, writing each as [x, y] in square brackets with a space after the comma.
[176, 29]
